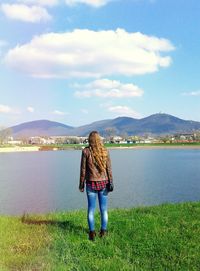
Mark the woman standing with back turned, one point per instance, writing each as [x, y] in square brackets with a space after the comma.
[96, 172]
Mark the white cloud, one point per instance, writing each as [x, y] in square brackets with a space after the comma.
[106, 88]
[33, 14]
[192, 93]
[90, 54]
[49, 3]
[60, 113]
[5, 109]
[30, 109]
[122, 110]
[94, 3]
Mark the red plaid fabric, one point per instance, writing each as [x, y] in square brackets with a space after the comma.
[97, 185]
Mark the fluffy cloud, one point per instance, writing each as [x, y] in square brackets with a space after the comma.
[94, 3]
[49, 3]
[106, 88]
[192, 93]
[5, 109]
[121, 110]
[30, 109]
[90, 54]
[33, 14]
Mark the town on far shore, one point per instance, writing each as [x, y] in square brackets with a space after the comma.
[7, 139]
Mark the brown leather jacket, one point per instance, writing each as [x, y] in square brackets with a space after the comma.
[89, 172]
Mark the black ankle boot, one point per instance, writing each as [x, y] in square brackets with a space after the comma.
[102, 233]
[92, 235]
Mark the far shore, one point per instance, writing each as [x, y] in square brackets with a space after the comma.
[19, 149]
[160, 147]
[78, 147]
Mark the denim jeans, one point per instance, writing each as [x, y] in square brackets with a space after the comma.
[102, 197]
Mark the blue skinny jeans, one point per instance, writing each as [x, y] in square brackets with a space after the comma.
[102, 197]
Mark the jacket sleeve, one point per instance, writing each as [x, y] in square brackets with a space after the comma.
[82, 170]
[109, 168]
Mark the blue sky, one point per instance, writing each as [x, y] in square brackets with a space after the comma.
[79, 61]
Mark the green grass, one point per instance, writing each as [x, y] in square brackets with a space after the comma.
[151, 144]
[110, 145]
[117, 145]
[165, 237]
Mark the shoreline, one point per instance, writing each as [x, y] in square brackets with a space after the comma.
[37, 148]
[159, 147]
[19, 149]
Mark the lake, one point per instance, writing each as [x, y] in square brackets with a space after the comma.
[41, 182]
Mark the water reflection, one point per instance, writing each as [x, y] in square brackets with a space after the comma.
[48, 181]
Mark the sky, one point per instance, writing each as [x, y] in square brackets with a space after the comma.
[80, 61]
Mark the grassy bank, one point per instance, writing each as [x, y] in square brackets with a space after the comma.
[165, 237]
[192, 144]
[125, 145]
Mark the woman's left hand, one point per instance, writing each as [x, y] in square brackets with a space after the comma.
[81, 186]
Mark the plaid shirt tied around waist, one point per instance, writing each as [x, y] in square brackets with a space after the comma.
[97, 185]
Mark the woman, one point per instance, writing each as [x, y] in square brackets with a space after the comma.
[96, 172]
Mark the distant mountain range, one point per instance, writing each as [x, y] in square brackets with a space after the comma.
[157, 124]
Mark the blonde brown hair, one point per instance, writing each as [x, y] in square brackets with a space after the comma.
[98, 151]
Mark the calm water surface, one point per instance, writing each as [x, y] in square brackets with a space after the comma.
[40, 182]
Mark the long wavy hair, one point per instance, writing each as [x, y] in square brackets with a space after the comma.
[98, 151]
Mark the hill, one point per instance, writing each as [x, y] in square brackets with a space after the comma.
[156, 124]
[40, 128]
